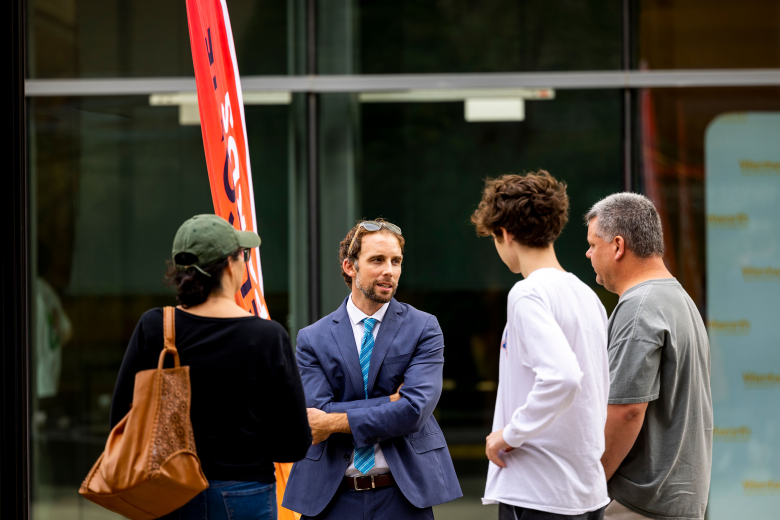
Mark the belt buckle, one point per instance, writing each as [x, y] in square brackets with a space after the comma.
[354, 479]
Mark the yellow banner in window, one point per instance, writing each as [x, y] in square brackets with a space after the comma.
[761, 487]
[756, 380]
[729, 328]
[739, 434]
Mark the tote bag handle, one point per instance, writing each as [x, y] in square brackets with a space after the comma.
[169, 331]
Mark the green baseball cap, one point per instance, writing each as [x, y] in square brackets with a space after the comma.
[210, 238]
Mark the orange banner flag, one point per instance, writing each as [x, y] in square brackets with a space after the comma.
[222, 122]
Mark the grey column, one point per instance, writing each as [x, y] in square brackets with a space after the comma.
[339, 136]
[298, 213]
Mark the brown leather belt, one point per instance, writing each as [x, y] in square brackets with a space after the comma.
[368, 482]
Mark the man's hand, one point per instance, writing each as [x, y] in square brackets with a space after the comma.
[495, 445]
[323, 424]
[318, 424]
[397, 395]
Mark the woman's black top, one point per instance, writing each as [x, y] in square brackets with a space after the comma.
[248, 407]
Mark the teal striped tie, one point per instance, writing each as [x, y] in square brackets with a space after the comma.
[364, 457]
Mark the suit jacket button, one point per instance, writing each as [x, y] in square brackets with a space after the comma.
[379, 439]
[346, 457]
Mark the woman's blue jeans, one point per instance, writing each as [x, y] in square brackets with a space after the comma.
[230, 500]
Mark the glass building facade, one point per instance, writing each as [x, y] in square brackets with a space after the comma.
[357, 109]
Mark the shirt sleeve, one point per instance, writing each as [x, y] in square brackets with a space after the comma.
[634, 371]
[291, 438]
[557, 372]
[125, 382]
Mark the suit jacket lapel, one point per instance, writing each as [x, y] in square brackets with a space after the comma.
[345, 339]
[387, 332]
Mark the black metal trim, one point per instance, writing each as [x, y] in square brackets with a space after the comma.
[313, 165]
[627, 143]
[14, 411]
[627, 111]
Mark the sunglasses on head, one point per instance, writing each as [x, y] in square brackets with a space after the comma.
[371, 226]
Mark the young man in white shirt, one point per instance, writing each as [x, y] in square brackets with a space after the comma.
[548, 439]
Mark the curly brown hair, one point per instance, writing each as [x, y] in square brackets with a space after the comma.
[532, 207]
[344, 246]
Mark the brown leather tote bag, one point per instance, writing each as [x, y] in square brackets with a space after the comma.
[149, 467]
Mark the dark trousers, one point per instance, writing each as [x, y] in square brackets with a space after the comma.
[507, 512]
[385, 503]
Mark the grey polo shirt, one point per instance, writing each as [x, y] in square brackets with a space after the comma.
[659, 353]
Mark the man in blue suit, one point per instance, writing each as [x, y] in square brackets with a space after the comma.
[378, 453]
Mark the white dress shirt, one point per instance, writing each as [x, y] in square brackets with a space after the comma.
[356, 317]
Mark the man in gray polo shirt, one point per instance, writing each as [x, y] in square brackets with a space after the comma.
[659, 418]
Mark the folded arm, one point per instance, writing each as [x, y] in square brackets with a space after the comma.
[345, 406]
[420, 394]
[325, 415]
[319, 393]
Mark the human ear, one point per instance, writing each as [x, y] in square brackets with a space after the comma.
[507, 236]
[348, 267]
[620, 247]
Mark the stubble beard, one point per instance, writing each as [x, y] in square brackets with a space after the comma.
[370, 292]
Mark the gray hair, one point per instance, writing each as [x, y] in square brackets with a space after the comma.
[633, 217]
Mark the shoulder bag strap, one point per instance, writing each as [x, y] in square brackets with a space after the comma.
[169, 331]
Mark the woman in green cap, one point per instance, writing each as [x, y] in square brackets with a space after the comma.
[248, 408]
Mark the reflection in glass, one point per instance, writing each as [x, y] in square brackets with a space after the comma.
[422, 166]
[708, 34]
[133, 38]
[743, 266]
[406, 37]
[672, 126]
[112, 179]
[710, 163]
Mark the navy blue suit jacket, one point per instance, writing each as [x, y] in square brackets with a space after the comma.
[409, 349]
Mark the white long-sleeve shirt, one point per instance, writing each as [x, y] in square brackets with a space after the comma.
[552, 397]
